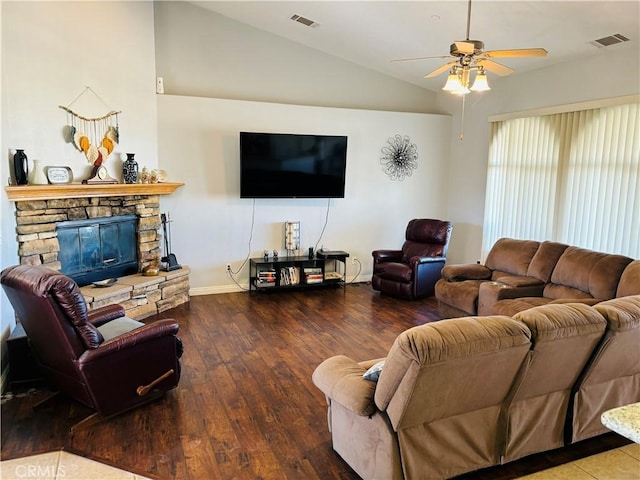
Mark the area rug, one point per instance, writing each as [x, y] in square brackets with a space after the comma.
[61, 465]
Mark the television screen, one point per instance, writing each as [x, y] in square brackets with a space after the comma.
[278, 165]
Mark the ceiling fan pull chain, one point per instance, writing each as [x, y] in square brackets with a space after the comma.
[462, 119]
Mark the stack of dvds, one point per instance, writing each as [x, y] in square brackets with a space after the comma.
[266, 278]
[313, 275]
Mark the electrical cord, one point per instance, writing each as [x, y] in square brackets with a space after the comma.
[231, 274]
[326, 220]
[357, 273]
[230, 271]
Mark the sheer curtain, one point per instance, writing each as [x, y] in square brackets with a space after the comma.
[573, 177]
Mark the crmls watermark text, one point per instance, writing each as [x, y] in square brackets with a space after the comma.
[40, 471]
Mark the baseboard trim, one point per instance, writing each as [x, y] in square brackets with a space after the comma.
[215, 290]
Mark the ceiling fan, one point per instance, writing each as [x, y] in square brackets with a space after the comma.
[469, 56]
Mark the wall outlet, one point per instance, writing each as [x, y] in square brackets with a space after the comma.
[160, 85]
[354, 260]
[228, 267]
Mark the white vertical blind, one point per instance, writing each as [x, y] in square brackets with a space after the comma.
[571, 177]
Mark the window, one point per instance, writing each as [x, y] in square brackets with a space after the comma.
[572, 177]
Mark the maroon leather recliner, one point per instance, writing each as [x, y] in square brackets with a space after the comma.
[413, 271]
[86, 354]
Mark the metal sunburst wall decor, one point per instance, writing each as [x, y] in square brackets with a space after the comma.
[399, 157]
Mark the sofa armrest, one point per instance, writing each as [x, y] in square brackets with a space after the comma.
[149, 332]
[340, 379]
[428, 260]
[386, 255]
[105, 314]
[492, 292]
[459, 273]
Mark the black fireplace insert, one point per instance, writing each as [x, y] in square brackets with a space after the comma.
[98, 248]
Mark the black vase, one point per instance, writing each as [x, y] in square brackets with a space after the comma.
[130, 169]
[21, 167]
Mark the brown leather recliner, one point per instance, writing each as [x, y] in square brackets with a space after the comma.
[100, 358]
[413, 271]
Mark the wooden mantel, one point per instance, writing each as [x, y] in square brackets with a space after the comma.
[78, 190]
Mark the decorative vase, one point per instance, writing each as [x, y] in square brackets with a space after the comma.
[144, 175]
[21, 167]
[38, 176]
[130, 169]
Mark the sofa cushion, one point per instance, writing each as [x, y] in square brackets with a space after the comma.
[630, 280]
[512, 256]
[462, 295]
[545, 260]
[514, 281]
[621, 313]
[554, 322]
[516, 305]
[595, 274]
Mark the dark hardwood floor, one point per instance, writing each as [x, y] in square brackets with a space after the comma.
[246, 407]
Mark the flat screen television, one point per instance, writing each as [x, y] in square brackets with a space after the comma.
[282, 165]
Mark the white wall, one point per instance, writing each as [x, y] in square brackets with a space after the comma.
[50, 52]
[199, 145]
[609, 73]
[202, 53]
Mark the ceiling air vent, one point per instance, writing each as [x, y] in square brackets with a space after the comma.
[305, 21]
[610, 40]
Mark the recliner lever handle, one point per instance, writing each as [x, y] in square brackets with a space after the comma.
[142, 390]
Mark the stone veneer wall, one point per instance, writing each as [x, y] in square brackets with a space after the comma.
[38, 245]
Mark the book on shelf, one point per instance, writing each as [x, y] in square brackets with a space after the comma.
[289, 275]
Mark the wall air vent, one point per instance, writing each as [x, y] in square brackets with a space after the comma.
[305, 21]
[610, 40]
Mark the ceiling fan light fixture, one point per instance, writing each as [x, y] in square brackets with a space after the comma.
[462, 90]
[480, 84]
[453, 83]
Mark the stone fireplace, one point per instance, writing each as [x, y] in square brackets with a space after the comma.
[36, 223]
[39, 211]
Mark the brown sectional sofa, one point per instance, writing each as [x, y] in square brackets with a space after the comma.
[521, 274]
[462, 394]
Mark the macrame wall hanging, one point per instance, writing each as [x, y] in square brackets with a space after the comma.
[95, 137]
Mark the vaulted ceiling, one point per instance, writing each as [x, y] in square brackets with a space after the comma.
[373, 33]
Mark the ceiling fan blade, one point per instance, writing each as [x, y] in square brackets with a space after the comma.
[522, 52]
[440, 69]
[495, 67]
[419, 58]
[465, 47]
